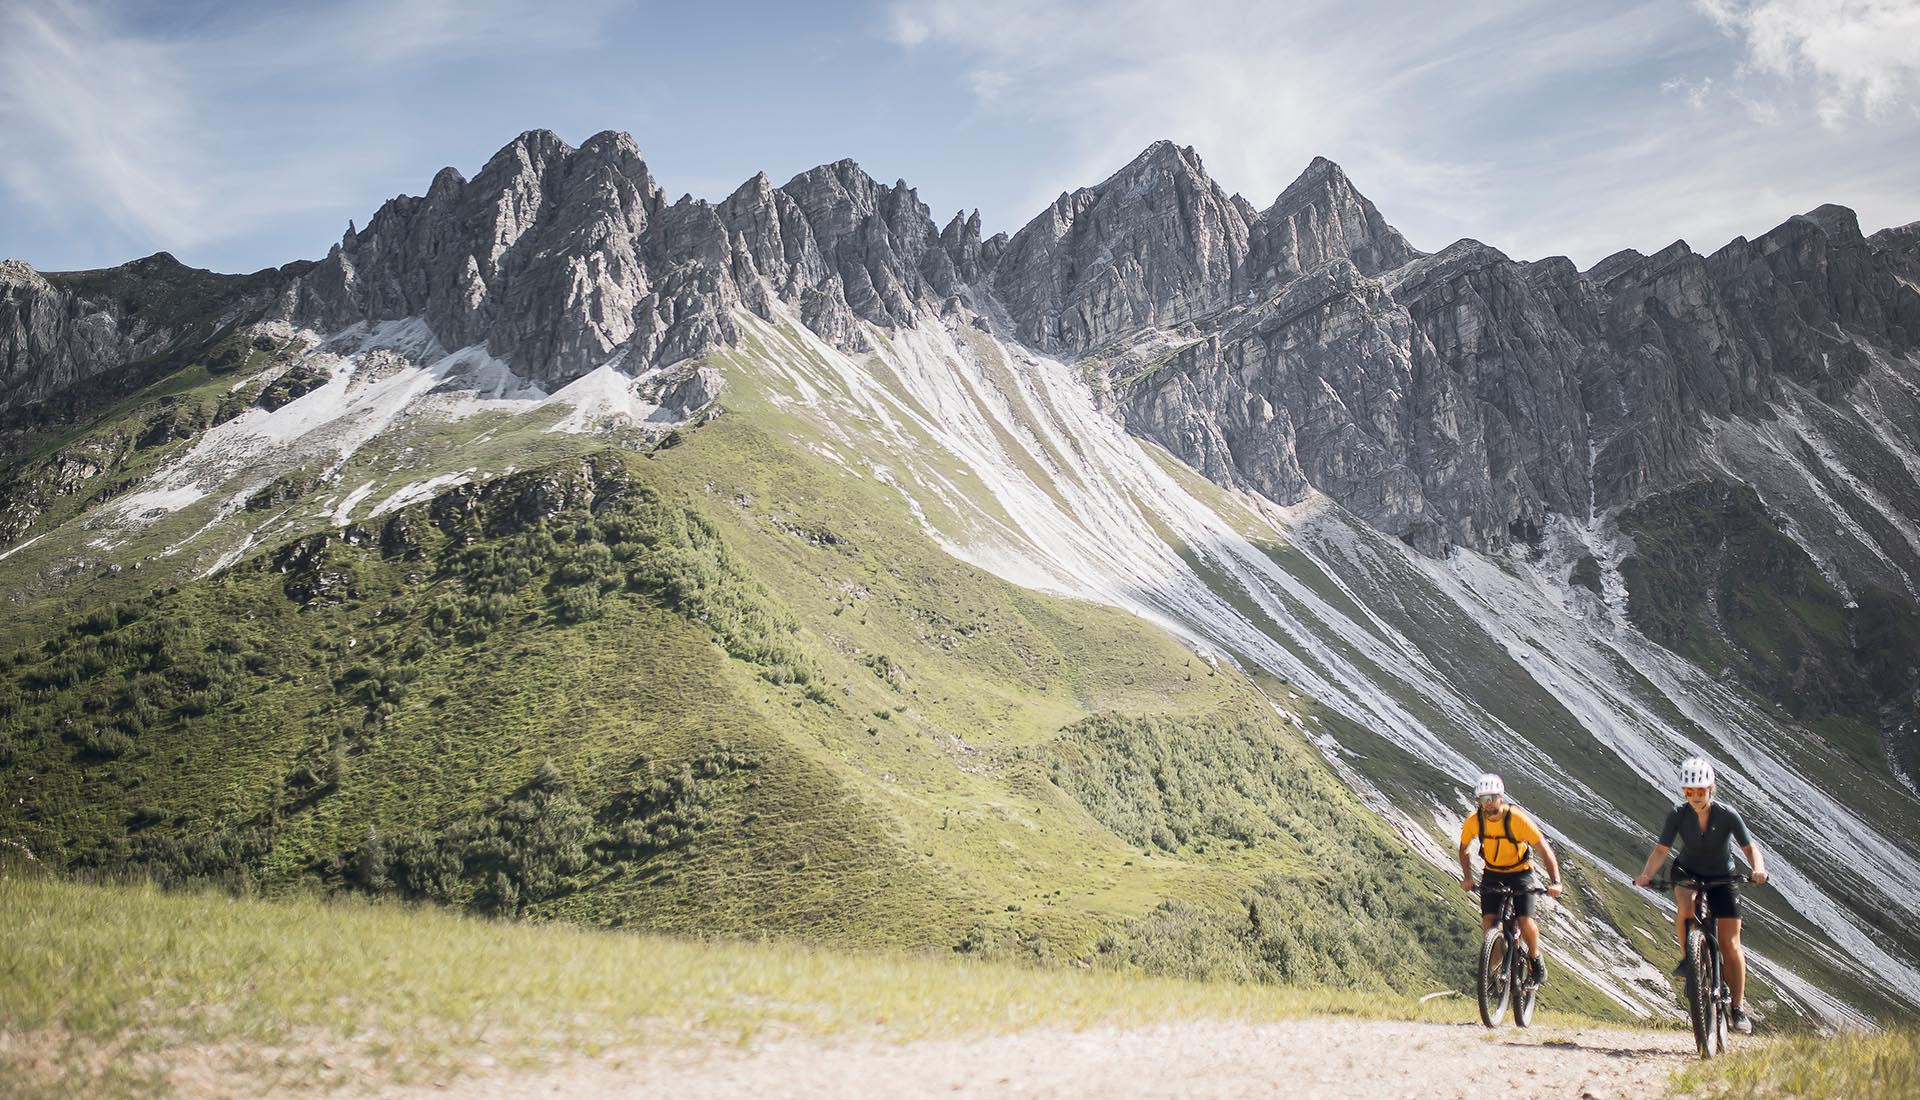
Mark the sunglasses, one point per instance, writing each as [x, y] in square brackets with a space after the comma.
[1694, 790]
[1489, 799]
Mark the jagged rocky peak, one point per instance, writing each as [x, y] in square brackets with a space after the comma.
[560, 259]
[1835, 220]
[19, 273]
[1422, 273]
[535, 256]
[880, 241]
[961, 238]
[1614, 266]
[1156, 243]
[1320, 216]
[1901, 245]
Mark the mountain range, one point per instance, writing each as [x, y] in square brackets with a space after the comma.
[1139, 588]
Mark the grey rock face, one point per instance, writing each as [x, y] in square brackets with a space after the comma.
[59, 330]
[1528, 389]
[560, 259]
[1321, 216]
[1457, 398]
[537, 257]
[1157, 243]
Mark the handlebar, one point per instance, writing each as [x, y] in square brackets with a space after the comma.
[1692, 883]
[1511, 890]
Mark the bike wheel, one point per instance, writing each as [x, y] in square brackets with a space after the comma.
[1524, 991]
[1700, 986]
[1494, 983]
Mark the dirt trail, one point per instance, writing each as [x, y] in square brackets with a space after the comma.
[1315, 1058]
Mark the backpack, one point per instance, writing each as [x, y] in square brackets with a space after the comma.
[1506, 826]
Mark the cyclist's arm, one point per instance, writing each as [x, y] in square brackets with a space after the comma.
[1466, 868]
[1553, 867]
[1757, 861]
[1654, 861]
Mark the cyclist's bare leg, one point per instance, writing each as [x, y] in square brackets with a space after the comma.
[1683, 898]
[1735, 958]
[1487, 921]
[1530, 935]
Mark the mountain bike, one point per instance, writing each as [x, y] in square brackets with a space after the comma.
[1709, 1001]
[1505, 977]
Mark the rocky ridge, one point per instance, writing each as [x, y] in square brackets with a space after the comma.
[1455, 398]
[59, 330]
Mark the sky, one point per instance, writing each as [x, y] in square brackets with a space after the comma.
[246, 135]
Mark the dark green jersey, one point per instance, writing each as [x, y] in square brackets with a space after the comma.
[1707, 852]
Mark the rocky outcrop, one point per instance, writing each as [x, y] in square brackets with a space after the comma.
[1463, 397]
[61, 329]
[1321, 217]
[1157, 243]
[537, 257]
[561, 259]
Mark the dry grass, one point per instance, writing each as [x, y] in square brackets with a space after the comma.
[125, 990]
[1813, 1067]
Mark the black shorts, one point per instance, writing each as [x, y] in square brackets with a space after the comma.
[1723, 900]
[1518, 881]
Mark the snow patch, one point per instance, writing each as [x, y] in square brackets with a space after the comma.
[602, 396]
[343, 514]
[417, 491]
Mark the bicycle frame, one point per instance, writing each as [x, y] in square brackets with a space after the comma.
[1709, 1001]
[1502, 979]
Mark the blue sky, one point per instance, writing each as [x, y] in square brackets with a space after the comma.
[245, 135]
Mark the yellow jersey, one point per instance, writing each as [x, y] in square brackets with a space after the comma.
[1506, 839]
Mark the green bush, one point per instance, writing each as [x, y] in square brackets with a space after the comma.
[580, 602]
[1346, 918]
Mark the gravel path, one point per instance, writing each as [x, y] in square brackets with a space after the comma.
[1314, 1058]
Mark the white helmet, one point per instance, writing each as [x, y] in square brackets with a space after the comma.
[1696, 771]
[1489, 784]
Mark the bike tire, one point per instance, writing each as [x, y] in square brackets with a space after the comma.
[1700, 987]
[1494, 985]
[1524, 991]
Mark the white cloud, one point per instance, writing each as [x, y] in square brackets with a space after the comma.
[1861, 55]
[1537, 126]
[1696, 92]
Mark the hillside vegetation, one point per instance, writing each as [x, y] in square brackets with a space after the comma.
[711, 689]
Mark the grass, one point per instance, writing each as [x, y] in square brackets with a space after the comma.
[1812, 1067]
[104, 988]
[332, 715]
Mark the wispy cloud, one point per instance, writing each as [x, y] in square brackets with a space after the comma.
[1696, 93]
[177, 141]
[1862, 56]
[1538, 126]
[95, 120]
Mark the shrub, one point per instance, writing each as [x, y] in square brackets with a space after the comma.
[108, 743]
[580, 603]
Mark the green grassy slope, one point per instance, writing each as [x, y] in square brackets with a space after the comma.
[719, 688]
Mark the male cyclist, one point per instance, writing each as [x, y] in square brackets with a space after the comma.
[1707, 831]
[1507, 840]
